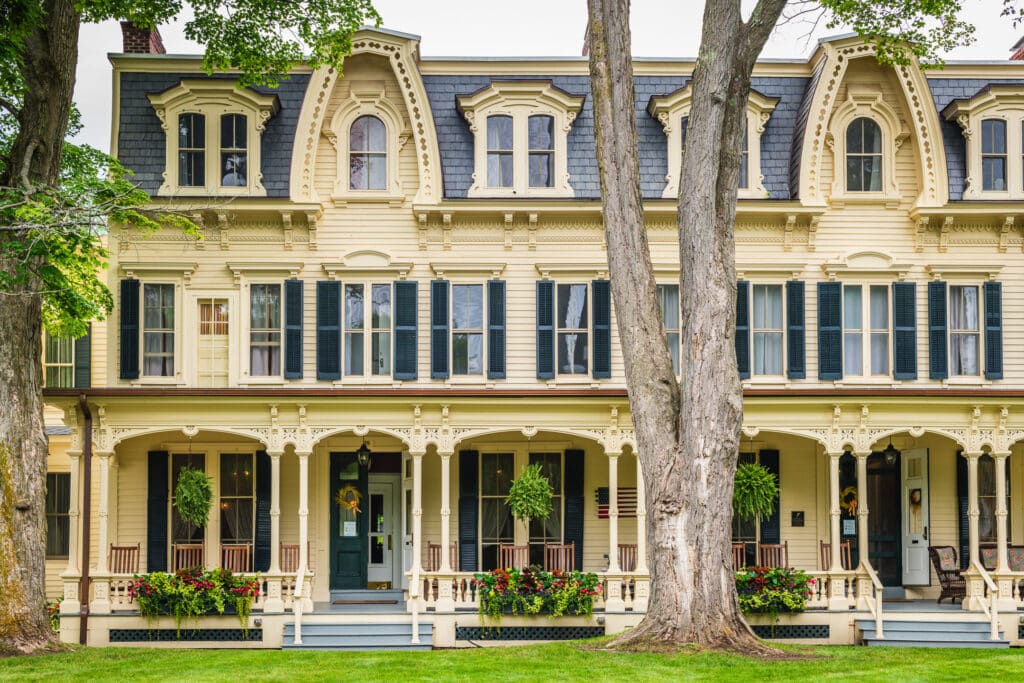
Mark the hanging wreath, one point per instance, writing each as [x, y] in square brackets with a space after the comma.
[848, 500]
[349, 497]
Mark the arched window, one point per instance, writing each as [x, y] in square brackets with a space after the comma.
[368, 157]
[863, 156]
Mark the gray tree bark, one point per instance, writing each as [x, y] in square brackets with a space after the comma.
[50, 59]
[687, 432]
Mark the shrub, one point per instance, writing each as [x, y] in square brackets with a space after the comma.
[533, 591]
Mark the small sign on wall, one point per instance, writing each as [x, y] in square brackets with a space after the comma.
[849, 527]
[797, 518]
[349, 529]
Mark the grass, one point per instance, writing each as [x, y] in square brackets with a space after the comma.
[548, 662]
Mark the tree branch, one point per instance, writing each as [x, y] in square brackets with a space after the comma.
[759, 28]
[27, 162]
[9, 106]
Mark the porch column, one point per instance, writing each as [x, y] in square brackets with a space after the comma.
[415, 589]
[864, 585]
[445, 599]
[642, 583]
[307, 602]
[613, 600]
[71, 576]
[975, 584]
[1002, 564]
[273, 602]
[101, 582]
[837, 598]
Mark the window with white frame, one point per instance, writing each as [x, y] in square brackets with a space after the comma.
[58, 505]
[520, 133]
[550, 530]
[767, 329]
[866, 330]
[58, 361]
[865, 134]
[987, 499]
[214, 140]
[157, 330]
[964, 331]
[993, 155]
[497, 528]
[992, 121]
[237, 499]
[863, 156]
[367, 347]
[467, 329]
[668, 298]
[265, 330]
[573, 328]
[367, 154]
[183, 531]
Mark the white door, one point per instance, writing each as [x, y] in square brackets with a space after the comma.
[381, 508]
[914, 504]
[406, 518]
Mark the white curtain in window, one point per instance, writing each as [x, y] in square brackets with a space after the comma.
[573, 319]
[963, 315]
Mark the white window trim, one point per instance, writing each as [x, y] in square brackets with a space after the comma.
[473, 378]
[996, 102]
[190, 319]
[246, 334]
[774, 378]
[670, 110]
[588, 330]
[863, 102]
[520, 100]
[212, 98]
[679, 314]
[979, 331]
[367, 98]
[865, 332]
[367, 281]
[47, 363]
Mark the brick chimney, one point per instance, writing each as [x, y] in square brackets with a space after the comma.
[1018, 51]
[139, 40]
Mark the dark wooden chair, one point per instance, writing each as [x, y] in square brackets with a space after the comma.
[560, 557]
[774, 554]
[627, 557]
[289, 558]
[433, 559]
[845, 555]
[187, 556]
[237, 559]
[951, 581]
[513, 556]
[739, 556]
[124, 559]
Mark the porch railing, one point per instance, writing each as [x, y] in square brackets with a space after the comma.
[1016, 586]
[990, 608]
[116, 587]
[875, 601]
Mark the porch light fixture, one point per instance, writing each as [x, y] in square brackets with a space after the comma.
[363, 455]
[890, 454]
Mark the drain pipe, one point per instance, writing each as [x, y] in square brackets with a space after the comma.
[83, 591]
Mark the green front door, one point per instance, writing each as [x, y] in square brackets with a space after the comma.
[349, 528]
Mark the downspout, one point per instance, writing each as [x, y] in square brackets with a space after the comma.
[83, 591]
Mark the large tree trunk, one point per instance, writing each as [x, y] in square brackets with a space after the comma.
[51, 56]
[687, 433]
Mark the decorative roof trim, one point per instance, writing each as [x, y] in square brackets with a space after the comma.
[532, 91]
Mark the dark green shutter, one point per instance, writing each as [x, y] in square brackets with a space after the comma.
[469, 478]
[156, 512]
[830, 330]
[439, 295]
[993, 330]
[938, 364]
[963, 524]
[83, 359]
[129, 329]
[904, 319]
[545, 329]
[602, 308]
[496, 329]
[293, 329]
[743, 328]
[574, 515]
[261, 543]
[795, 330]
[771, 531]
[406, 348]
[328, 329]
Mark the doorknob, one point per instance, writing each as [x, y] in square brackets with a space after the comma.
[389, 541]
[926, 533]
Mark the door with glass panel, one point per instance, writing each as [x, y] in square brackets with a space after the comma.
[214, 346]
[497, 470]
[382, 531]
[916, 568]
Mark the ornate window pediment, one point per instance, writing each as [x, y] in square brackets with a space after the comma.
[520, 131]
[213, 137]
[673, 110]
[993, 125]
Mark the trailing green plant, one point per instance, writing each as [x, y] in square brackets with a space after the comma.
[193, 495]
[192, 593]
[529, 497]
[534, 591]
[771, 590]
[754, 493]
[53, 611]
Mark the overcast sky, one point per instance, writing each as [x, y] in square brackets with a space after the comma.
[531, 28]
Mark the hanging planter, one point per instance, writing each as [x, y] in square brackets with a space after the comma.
[529, 497]
[754, 492]
[193, 496]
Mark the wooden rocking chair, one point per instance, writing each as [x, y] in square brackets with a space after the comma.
[560, 557]
[774, 554]
[627, 557]
[951, 581]
[433, 559]
[237, 559]
[187, 556]
[513, 556]
[845, 555]
[290, 558]
[124, 559]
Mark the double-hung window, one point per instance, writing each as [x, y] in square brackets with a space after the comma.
[496, 525]
[265, 330]
[158, 330]
[964, 332]
[500, 146]
[993, 155]
[467, 329]
[191, 150]
[866, 330]
[548, 531]
[368, 156]
[542, 150]
[367, 356]
[668, 297]
[863, 156]
[58, 505]
[233, 150]
[744, 182]
[573, 329]
[59, 362]
[237, 509]
[987, 499]
[767, 329]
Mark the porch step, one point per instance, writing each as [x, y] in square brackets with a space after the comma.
[366, 596]
[907, 633]
[359, 637]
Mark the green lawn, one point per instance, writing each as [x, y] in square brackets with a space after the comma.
[561, 661]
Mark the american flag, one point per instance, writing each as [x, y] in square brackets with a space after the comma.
[627, 502]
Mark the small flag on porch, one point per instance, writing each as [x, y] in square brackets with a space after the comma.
[627, 502]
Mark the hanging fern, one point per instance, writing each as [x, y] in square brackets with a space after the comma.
[193, 495]
[754, 492]
[530, 495]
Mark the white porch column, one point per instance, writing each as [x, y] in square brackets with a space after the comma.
[863, 579]
[72, 575]
[642, 584]
[274, 603]
[307, 602]
[1002, 563]
[445, 599]
[415, 589]
[975, 585]
[613, 600]
[837, 598]
[100, 603]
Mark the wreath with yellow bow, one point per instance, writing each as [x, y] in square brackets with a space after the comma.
[349, 497]
[848, 500]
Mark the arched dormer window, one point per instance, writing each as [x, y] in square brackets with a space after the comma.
[993, 126]
[993, 155]
[367, 154]
[863, 156]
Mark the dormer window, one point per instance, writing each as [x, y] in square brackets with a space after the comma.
[863, 156]
[865, 134]
[993, 155]
[214, 135]
[521, 130]
[993, 124]
[367, 154]
[673, 112]
[367, 132]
